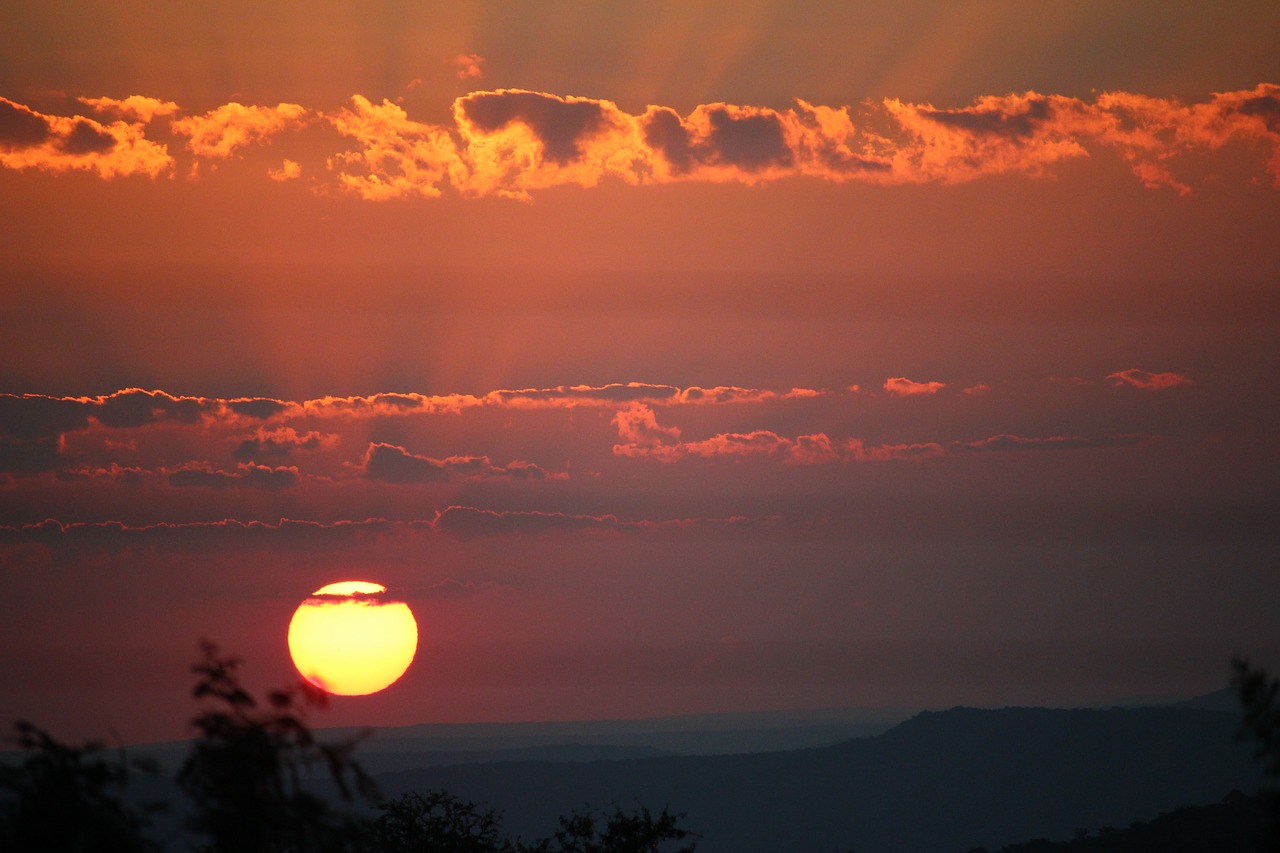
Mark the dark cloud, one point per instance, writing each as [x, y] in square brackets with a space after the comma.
[468, 521]
[249, 475]
[279, 443]
[30, 456]
[1266, 106]
[389, 463]
[998, 443]
[33, 416]
[134, 408]
[666, 134]
[559, 123]
[86, 138]
[113, 537]
[1013, 122]
[751, 141]
[20, 127]
[617, 392]
[260, 408]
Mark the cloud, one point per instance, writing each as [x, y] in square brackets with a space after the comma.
[30, 455]
[642, 437]
[34, 415]
[281, 442]
[814, 449]
[289, 170]
[138, 108]
[219, 132]
[299, 534]
[249, 475]
[1149, 131]
[31, 416]
[900, 386]
[398, 158]
[618, 393]
[638, 427]
[389, 463]
[452, 588]
[515, 140]
[469, 522]
[856, 450]
[1135, 378]
[259, 408]
[1002, 443]
[467, 66]
[31, 140]
[512, 142]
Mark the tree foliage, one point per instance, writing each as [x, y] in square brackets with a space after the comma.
[246, 769]
[437, 821]
[1260, 696]
[246, 777]
[66, 799]
[589, 831]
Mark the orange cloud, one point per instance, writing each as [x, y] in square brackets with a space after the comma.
[32, 140]
[138, 108]
[29, 418]
[900, 386]
[1149, 131]
[996, 135]
[1135, 378]
[512, 142]
[281, 441]
[288, 171]
[398, 158]
[219, 132]
[467, 66]
[642, 437]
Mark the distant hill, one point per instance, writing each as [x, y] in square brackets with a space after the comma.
[388, 749]
[941, 781]
[1231, 826]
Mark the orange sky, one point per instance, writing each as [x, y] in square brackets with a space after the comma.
[670, 358]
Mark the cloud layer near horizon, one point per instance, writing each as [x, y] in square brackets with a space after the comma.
[513, 142]
[527, 439]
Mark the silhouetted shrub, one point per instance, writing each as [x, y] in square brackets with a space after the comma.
[245, 771]
[65, 799]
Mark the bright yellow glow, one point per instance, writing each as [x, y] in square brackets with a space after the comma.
[346, 640]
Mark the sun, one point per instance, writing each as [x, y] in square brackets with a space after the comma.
[349, 640]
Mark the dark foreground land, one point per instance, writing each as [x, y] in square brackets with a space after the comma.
[1013, 780]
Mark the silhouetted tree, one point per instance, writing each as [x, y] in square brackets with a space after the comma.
[638, 832]
[437, 822]
[65, 799]
[1260, 695]
[247, 765]
[245, 776]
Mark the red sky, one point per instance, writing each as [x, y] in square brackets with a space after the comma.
[665, 358]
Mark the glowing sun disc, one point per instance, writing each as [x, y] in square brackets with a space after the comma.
[345, 639]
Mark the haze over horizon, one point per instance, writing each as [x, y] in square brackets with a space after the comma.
[665, 358]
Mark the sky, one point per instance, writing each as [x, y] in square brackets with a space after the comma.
[664, 358]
